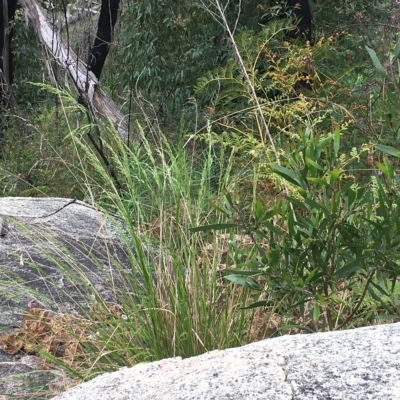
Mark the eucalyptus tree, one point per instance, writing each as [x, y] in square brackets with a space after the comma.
[7, 12]
[99, 50]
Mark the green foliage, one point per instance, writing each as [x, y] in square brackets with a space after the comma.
[386, 106]
[327, 253]
[362, 18]
[167, 46]
[26, 51]
[38, 157]
[277, 69]
[272, 66]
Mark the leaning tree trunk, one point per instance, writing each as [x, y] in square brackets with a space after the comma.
[85, 81]
[105, 29]
[7, 12]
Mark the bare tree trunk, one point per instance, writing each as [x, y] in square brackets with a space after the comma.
[302, 12]
[86, 83]
[7, 11]
[5, 55]
[105, 29]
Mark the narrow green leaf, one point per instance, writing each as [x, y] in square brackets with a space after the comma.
[269, 214]
[383, 168]
[396, 50]
[351, 196]
[380, 289]
[247, 283]
[398, 66]
[324, 142]
[321, 145]
[316, 312]
[377, 298]
[312, 164]
[294, 326]
[296, 202]
[288, 174]
[271, 227]
[289, 281]
[215, 207]
[393, 98]
[317, 206]
[303, 193]
[261, 303]
[347, 186]
[228, 199]
[290, 222]
[259, 210]
[376, 62]
[391, 151]
[386, 317]
[349, 269]
[335, 175]
[311, 275]
[389, 169]
[254, 265]
[318, 181]
[383, 201]
[322, 300]
[336, 142]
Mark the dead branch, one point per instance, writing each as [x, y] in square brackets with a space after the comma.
[86, 83]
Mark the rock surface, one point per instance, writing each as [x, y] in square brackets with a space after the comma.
[39, 239]
[359, 364]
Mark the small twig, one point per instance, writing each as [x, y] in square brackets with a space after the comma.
[61, 208]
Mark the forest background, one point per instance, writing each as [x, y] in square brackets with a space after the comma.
[253, 144]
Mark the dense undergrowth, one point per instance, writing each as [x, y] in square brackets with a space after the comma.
[272, 206]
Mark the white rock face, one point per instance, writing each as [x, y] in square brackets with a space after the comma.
[362, 364]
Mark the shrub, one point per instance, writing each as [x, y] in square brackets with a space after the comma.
[327, 255]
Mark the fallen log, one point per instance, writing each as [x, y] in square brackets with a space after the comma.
[85, 82]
